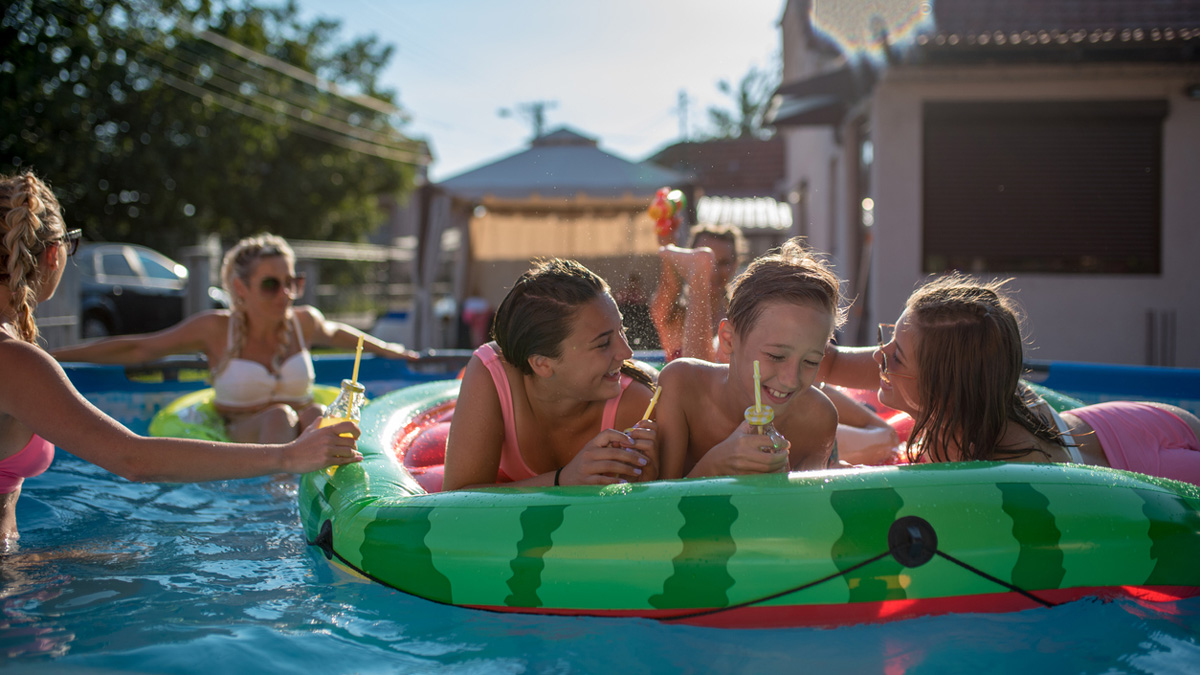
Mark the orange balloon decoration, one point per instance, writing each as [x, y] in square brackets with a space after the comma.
[667, 210]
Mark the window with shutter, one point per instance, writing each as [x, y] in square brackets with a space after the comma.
[1042, 187]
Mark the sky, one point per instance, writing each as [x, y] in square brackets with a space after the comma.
[611, 69]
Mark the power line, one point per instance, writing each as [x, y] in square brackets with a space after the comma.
[323, 128]
[311, 131]
[302, 114]
[233, 70]
[285, 68]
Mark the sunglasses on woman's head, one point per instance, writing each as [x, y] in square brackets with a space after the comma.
[272, 285]
[71, 239]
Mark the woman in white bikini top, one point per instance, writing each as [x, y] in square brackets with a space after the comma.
[258, 350]
[243, 383]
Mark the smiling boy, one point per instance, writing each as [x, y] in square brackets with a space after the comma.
[782, 312]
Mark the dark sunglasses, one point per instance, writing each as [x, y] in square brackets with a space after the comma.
[272, 285]
[71, 239]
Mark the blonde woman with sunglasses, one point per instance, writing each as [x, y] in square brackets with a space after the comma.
[262, 371]
[953, 361]
[40, 408]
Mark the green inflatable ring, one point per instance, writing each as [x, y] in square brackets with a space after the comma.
[194, 416]
[810, 548]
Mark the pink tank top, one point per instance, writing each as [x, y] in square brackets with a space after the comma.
[31, 461]
[512, 465]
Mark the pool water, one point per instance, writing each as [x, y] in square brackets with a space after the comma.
[112, 575]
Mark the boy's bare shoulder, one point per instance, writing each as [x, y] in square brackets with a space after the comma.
[689, 372]
[816, 410]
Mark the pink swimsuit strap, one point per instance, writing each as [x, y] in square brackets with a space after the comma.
[512, 464]
[490, 357]
[31, 461]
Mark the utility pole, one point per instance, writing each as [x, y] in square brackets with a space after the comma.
[682, 109]
[534, 111]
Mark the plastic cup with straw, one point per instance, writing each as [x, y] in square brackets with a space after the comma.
[759, 416]
[653, 400]
[358, 359]
[649, 408]
[348, 404]
[349, 401]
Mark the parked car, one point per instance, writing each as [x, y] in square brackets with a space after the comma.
[126, 288]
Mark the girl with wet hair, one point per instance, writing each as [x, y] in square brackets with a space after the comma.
[954, 361]
[262, 370]
[40, 409]
[782, 313]
[554, 399]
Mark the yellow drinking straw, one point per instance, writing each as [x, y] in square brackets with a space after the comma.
[757, 389]
[357, 358]
[653, 400]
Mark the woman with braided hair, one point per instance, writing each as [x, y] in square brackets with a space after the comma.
[954, 360]
[40, 409]
[262, 372]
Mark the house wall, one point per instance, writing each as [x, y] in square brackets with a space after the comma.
[502, 246]
[814, 180]
[521, 236]
[818, 177]
[1090, 318]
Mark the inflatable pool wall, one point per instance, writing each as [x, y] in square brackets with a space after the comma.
[806, 549]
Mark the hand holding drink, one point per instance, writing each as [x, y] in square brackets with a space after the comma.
[349, 402]
[761, 417]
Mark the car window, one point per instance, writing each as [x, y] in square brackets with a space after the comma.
[115, 264]
[155, 269]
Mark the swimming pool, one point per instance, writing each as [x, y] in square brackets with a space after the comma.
[112, 575]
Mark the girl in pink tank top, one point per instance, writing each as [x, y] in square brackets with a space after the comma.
[547, 402]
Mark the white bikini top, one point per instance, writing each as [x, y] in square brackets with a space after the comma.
[243, 383]
[1067, 438]
[1063, 431]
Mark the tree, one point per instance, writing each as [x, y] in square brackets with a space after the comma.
[750, 103]
[154, 121]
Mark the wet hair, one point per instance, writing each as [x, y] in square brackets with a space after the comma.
[969, 360]
[791, 273]
[30, 219]
[239, 263]
[730, 234]
[535, 317]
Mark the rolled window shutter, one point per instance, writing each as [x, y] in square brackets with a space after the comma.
[1043, 187]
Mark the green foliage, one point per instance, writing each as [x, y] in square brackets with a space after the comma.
[750, 102]
[156, 120]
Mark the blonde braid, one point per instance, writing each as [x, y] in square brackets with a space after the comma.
[237, 319]
[284, 335]
[239, 263]
[31, 218]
